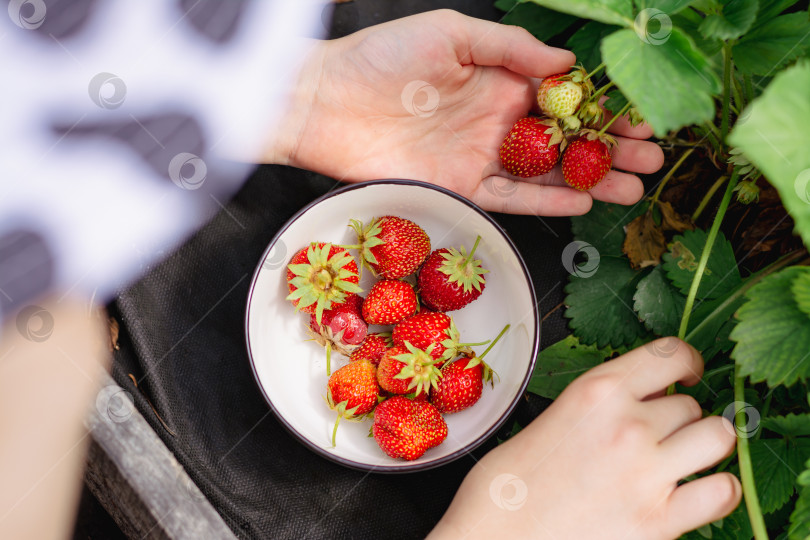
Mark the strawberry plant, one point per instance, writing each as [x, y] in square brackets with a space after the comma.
[716, 253]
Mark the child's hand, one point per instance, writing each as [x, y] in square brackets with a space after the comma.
[604, 460]
[360, 112]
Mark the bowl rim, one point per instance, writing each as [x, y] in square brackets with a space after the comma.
[414, 467]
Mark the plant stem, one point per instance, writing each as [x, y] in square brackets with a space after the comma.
[704, 256]
[334, 430]
[615, 117]
[724, 118]
[596, 70]
[708, 197]
[765, 409]
[748, 87]
[669, 175]
[505, 328]
[596, 95]
[746, 469]
[472, 251]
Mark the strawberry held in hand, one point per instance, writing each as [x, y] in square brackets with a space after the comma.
[450, 278]
[532, 147]
[587, 160]
[319, 276]
[352, 391]
[389, 301]
[392, 246]
[406, 428]
[559, 95]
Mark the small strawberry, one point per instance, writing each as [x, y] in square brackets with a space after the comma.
[341, 329]
[372, 348]
[389, 301]
[462, 381]
[587, 160]
[432, 328]
[405, 428]
[319, 276]
[559, 95]
[450, 278]
[405, 369]
[391, 246]
[352, 391]
[532, 147]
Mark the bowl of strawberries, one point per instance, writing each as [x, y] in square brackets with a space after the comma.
[391, 326]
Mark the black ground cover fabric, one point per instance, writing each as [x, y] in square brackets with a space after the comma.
[183, 338]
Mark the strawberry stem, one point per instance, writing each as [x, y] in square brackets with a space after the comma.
[669, 175]
[596, 70]
[334, 430]
[596, 95]
[472, 251]
[328, 358]
[473, 344]
[615, 117]
[505, 328]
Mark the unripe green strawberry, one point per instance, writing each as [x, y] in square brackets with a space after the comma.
[558, 96]
[747, 192]
[586, 162]
[532, 147]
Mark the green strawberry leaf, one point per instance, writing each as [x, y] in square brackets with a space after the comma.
[603, 226]
[543, 23]
[585, 43]
[773, 337]
[669, 7]
[561, 363]
[712, 321]
[735, 526]
[801, 292]
[615, 102]
[607, 11]
[800, 518]
[734, 19]
[658, 304]
[663, 74]
[722, 274]
[792, 425]
[767, 48]
[689, 21]
[768, 9]
[776, 464]
[600, 306]
[774, 137]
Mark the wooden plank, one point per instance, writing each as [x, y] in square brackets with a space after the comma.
[138, 480]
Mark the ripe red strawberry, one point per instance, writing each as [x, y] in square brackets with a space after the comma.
[352, 391]
[532, 147]
[372, 348]
[450, 279]
[404, 369]
[319, 276]
[460, 385]
[391, 246]
[406, 428]
[426, 329]
[389, 301]
[342, 328]
[586, 162]
[462, 381]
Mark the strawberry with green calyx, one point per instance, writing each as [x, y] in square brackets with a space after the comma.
[426, 329]
[532, 147]
[391, 246]
[560, 95]
[635, 117]
[341, 329]
[390, 301]
[591, 113]
[587, 159]
[450, 278]
[405, 369]
[747, 192]
[320, 276]
[373, 348]
[462, 381]
[352, 392]
[405, 428]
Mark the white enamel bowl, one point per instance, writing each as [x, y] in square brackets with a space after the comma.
[291, 371]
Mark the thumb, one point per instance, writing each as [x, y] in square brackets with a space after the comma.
[488, 43]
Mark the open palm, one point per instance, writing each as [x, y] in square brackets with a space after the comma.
[431, 97]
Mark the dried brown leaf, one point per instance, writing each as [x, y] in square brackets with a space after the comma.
[672, 220]
[644, 241]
